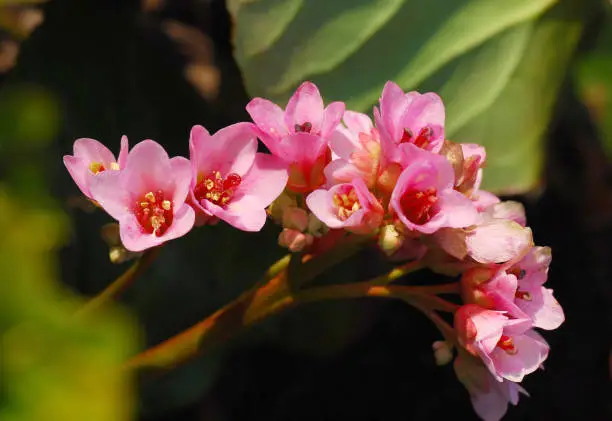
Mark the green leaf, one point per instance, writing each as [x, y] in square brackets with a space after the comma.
[497, 65]
[351, 48]
[513, 127]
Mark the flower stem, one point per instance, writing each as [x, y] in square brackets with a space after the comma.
[271, 298]
[119, 285]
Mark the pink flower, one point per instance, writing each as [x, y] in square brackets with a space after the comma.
[230, 180]
[92, 158]
[530, 296]
[508, 348]
[489, 397]
[358, 151]
[350, 206]
[510, 210]
[424, 199]
[410, 118]
[498, 241]
[147, 196]
[299, 135]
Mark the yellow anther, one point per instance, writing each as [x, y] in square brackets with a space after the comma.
[150, 197]
[96, 167]
[114, 166]
[209, 184]
[144, 204]
[166, 205]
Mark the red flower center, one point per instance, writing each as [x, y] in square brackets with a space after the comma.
[305, 127]
[154, 213]
[419, 206]
[216, 189]
[507, 344]
[422, 140]
[346, 204]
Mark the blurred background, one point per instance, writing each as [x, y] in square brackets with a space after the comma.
[529, 79]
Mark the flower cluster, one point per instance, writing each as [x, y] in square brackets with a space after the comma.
[333, 173]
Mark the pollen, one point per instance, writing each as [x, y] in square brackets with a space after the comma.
[507, 344]
[523, 295]
[154, 213]
[114, 166]
[346, 204]
[217, 189]
[96, 167]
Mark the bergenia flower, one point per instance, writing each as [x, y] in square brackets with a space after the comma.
[356, 146]
[531, 296]
[508, 347]
[230, 179]
[424, 199]
[410, 118]
[350, 206]
[92, 158]
[489, 397]
[299, 135]
[147, 197]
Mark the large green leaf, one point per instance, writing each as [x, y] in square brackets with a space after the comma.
[476, 54]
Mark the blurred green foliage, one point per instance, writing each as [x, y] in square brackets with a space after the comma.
[593, 76]
[53, 365]
[497, 64]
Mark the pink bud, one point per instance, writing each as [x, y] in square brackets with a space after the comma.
[294, 240]
[295, 218]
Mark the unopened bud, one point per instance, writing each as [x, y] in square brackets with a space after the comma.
[389, 239]
[443, 352]
[315, 226]
[294, 240]
[277, 208]
[295, 218]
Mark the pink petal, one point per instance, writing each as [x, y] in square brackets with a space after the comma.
[343, 142]
[544, 309]
[265, 181]
[340, 171]
[305, 105]
[90, 150]
[508, 209]
[181, 172]
[498, 241]
[459, 211]
[357, 122]
[132, 236]
[80, 173]
[302, 148]
[331, 117]
[134, 239]
[243, 214]
[148, 169]
[393, 104]
[473, 149]
[482, 199]
[320, 204]
[123, 152]
[109, 190]
[230, 150]
[426, 110]
[269, 117]
[532, 351]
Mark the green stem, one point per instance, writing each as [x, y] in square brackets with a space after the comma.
[119, 285]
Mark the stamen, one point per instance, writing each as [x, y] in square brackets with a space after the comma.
[216, 189]
[419, 206]
[346, 203]
[303, 128]
[96, 167]
[154, 213]
[523, 295]
[507, 344]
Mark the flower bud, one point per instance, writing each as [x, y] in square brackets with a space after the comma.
[389, 239]
[295, 218]
[443, 352]
[277, 208]
[294, 240]
[315, 226]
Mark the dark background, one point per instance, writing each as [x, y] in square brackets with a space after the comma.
[112, 69]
